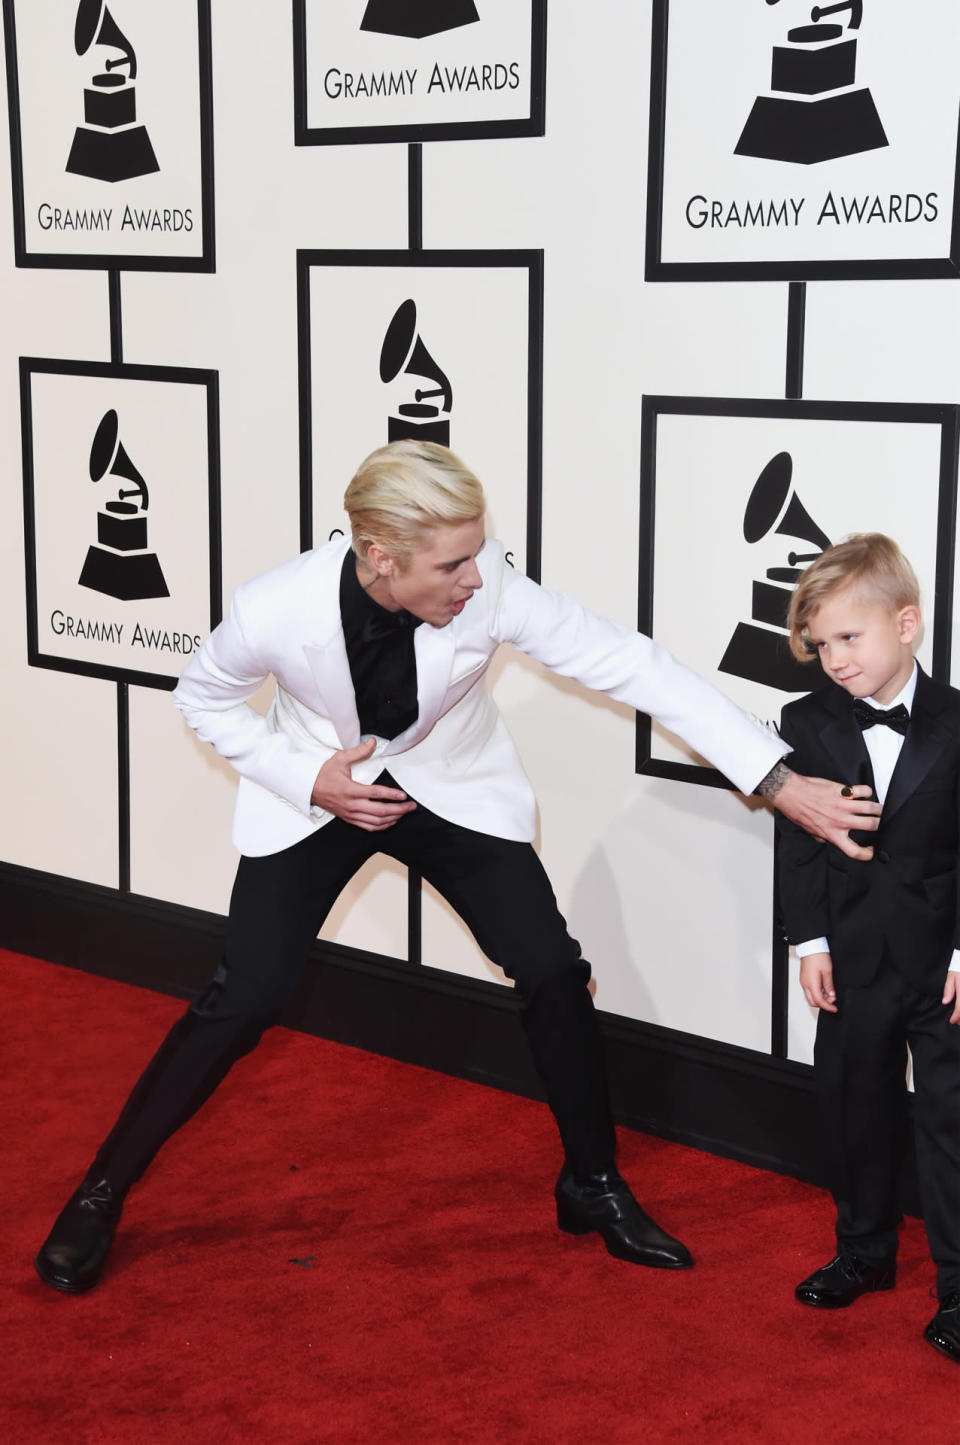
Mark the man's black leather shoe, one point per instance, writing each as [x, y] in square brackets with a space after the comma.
[76, 1249]
[943, 1331]
[603, 1202]
[842, 1281]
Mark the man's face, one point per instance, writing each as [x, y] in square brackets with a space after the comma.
[865, 646]
[439, 580]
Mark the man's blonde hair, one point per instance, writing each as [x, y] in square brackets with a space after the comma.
[867, 561]
[405, 489]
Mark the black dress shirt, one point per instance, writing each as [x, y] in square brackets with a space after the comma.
[381, 655]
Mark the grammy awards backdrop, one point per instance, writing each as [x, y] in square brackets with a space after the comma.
[677, 279]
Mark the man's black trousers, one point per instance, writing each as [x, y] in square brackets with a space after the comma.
[279, 902]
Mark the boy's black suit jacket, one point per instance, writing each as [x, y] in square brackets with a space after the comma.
[906, 898]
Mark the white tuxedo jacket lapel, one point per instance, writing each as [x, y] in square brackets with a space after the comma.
[327, 657]
[327, 660]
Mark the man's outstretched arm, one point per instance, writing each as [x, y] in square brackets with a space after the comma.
[631, 667]
[825, 809]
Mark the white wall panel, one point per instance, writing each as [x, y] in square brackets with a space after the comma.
[371, 912]
[181, 806]
[881, 342]
[58, 740]
[667, 887]
[802, 1019]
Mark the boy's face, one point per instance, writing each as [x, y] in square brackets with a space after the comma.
[866, 646]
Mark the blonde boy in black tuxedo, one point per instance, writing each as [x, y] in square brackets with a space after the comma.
[878, 940]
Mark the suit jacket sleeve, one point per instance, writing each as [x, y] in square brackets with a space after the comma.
[631, 667]
[802, 861]
[212, 696]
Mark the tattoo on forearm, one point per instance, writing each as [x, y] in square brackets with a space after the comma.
[770, 786]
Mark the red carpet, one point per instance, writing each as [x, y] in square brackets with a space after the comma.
[345, 1249]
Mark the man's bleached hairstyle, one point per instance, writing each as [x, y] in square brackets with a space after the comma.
[869, 563]
[403, 491]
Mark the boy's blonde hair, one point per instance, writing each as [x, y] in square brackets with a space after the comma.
[867, 561]
[405, 489]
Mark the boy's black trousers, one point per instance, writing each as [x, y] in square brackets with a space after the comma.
[860, 1069]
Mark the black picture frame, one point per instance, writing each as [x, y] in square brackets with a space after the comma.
[851, 269]
[533, 124]
[940, 615]
[532, 262]
[31, 366]
[106, 260]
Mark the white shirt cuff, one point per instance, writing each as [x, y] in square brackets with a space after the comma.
[822, 945]
[817, 945]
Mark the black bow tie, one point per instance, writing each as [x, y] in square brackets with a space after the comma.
[378, 623]
[895, 717]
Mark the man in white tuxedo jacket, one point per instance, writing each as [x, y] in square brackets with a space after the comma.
[382, 737]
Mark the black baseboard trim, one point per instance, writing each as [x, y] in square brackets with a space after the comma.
[727, 1100]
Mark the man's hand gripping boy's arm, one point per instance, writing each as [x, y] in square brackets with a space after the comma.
[822, 808]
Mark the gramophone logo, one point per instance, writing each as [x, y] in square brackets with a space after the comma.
[417, 18]
[121, 564]
[758, 649]
[815, 112]
[110, 145]
[426, 417]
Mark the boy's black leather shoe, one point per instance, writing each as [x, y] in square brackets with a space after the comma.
[842, 1281]
[603, 1202]
[943, 1331]
[76, 1249]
